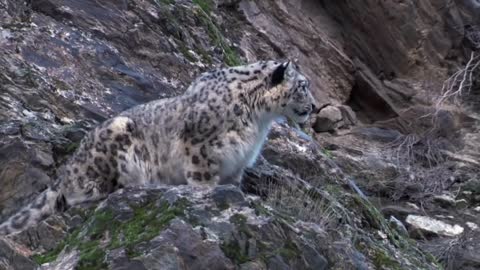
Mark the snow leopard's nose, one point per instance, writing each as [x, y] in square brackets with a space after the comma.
[314, 106]
[313, 103]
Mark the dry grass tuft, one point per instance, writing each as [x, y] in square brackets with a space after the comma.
[426, 134]
[300, 204]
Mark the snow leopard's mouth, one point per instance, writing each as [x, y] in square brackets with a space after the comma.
[301, 113]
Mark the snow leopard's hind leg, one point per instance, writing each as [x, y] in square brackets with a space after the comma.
[96, 167]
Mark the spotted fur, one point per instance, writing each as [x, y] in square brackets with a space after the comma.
[206, 137]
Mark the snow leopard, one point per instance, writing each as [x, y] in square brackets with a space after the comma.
[205, 137]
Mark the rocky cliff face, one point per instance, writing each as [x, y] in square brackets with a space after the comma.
[386, 175]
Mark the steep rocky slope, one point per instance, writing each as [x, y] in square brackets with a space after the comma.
[381, 179]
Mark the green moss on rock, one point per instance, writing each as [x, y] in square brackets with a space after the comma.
[92, 256]
[233, 251]
[231, 247]
[238, 219]
[382, 260]
[205, 5]
[231, 57]
[148, 221]
[49, 256]
[260, 210]
[289, 251]
[102, 227]
[52, 255]
[185, 51]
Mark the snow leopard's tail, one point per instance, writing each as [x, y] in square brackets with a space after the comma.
[44, 205]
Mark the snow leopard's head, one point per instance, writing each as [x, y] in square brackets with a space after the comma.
[292, 95]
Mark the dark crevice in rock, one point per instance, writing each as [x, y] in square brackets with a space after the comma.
[368, 105]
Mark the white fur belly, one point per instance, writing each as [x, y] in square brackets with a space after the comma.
[257, 145]
[245, 153]
[255, 150]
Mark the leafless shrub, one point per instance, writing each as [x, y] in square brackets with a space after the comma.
[426, 134]
[413, 149]
[449, 251]
[428, 181]
[301, 204]
[430, 133]
[460, 83]
[421, 152]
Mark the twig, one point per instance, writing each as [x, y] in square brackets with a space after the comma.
[459, 83]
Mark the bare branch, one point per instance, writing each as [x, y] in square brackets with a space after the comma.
[460, 83]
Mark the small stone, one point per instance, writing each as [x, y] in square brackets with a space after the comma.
[473, 186]
[327, 119]
[444, 200]
[348, 115]
[477, 209]
[12, 258]
[433, 226]
[462, 203]
[48, 234]
[255, 265]
[331, 112]
[412, 205]
[471, 225]
[43, 159]
[398, 225]
[227, 194]
[65, 260]
[10, 128]
[118, 259]
[382, 235]
[413, 188]
[66, 120]
[36, 132]
[323, 124]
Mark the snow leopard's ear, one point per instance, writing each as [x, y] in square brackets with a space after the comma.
[279, 73]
